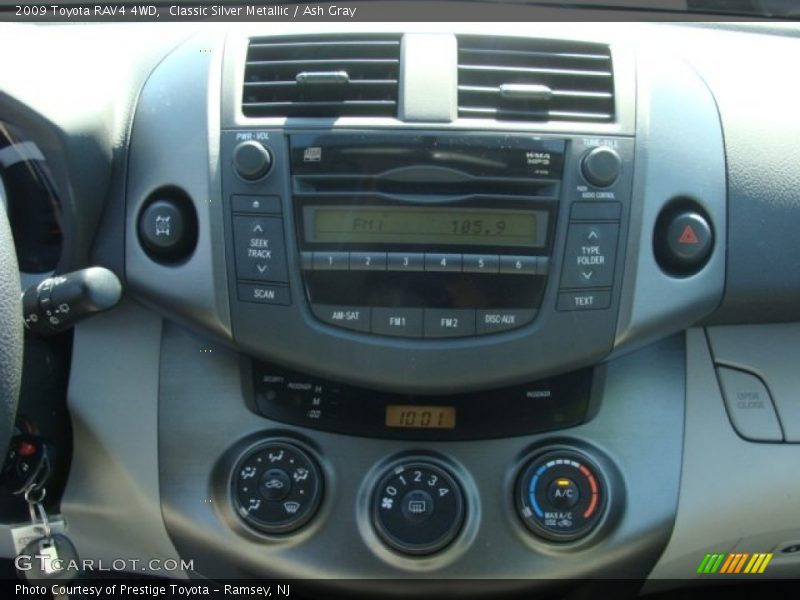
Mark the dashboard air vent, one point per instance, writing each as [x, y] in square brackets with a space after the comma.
[322, 76]
[534, 80]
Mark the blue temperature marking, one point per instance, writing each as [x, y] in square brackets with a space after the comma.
[532, 492]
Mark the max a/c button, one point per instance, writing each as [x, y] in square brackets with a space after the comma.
[584, 300]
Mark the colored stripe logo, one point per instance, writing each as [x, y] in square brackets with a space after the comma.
[734, 563]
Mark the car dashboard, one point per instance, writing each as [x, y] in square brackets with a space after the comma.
[503, 301]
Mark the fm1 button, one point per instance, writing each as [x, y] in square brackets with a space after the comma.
[275, 485]
[683, 242]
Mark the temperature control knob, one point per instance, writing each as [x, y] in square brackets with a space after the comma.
[417, 508]
[251, 160]
[561, 495]
[277, 487]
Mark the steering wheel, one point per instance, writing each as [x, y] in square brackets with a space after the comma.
[11, 335]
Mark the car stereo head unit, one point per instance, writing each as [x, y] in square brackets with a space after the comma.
[409, 224]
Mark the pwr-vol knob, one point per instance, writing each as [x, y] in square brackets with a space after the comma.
[601, 166]
[251, 160]
[561, 495]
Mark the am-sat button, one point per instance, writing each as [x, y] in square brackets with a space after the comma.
[349, 317]
[492, 321]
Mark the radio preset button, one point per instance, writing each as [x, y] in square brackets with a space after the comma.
[493, 321]
[403, 322]
[259, 248]
[356, 318]
[443, 263]
[445, 322]
[331, 261]
[481, 263]
[399, 261]
[590, 255]
[519, 265]
[368, 261]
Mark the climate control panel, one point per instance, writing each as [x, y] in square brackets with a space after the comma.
[417, 505]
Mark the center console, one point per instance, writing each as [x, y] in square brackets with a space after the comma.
[405, 245]
[413, 328]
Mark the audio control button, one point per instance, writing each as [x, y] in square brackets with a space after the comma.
[259, 248]
[356, 318]
[590, 255]
[405, 261]
[403, 322]
[445, 322]
[588, 300]
[481, 263]
[519, 265]
[368, 261]
[443, 263]
[331, 261]
[494, 321]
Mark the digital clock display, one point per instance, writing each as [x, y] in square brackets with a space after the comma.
[411, 225]
[421, 417]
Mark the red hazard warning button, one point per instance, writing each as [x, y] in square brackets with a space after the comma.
[683, 242]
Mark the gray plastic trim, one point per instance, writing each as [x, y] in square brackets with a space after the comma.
[111, 503]
[679, 153]
[428, 78]
[616, 35]
[771, 353]
[635, 438]
[175, 142]
[723, 506]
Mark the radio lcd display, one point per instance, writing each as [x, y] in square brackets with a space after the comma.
[413, 225]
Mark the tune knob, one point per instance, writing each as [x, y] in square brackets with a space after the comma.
[601, 166]
[251, 160]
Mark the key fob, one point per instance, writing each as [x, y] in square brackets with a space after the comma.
[54, 558]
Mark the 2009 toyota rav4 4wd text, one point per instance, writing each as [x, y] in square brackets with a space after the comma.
[315, 306]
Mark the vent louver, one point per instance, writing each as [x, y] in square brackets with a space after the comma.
[322, 76]
[534, 80]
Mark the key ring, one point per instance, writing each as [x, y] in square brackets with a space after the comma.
[35, 506]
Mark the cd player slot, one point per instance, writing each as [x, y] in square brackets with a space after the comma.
[468, 186]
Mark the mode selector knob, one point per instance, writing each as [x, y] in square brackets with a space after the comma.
[601, 166]
[251, 160]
